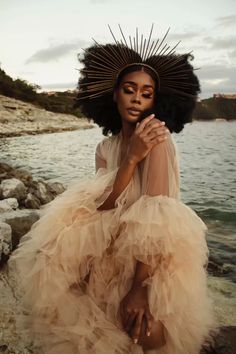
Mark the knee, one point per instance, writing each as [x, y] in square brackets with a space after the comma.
[157, 338]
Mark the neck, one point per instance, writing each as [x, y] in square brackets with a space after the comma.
[127, 130]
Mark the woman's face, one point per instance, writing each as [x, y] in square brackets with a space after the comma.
[134, 95]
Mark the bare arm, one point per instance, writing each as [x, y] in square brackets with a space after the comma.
[142, 272]
[122, 180]
[144, 138]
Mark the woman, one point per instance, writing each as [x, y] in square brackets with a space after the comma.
[117, 264]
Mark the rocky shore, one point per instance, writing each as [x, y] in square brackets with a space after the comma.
[21, 198]
[20, 118]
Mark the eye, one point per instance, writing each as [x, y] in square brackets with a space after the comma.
[147, 95]
[127, 90]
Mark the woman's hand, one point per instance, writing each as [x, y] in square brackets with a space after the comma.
[134, 309]
[149, 133]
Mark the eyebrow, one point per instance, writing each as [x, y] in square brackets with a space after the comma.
[134, 83]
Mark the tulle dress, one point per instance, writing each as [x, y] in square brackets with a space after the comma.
[77, 263]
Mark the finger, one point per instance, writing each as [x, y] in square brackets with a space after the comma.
[145, 121]
[157, 132]
[130, 321]
[157, 140]
[152, 126]
[149, 320]
[137, 327]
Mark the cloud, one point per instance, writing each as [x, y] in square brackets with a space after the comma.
[226, 21]
[55, 52]
[59, 86]
[221, 43]
[183, 35]
[99, 1]
[217, 78]
[232, 54]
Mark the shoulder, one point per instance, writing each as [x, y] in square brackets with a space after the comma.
[167, 147]
[104, 145]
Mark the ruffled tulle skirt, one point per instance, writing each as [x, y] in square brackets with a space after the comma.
[77, 263]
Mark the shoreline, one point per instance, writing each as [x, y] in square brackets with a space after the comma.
[11, 132]
[18, 118]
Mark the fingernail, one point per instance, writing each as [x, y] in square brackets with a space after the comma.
[163, 123]
[148, 334]
[152, 115]
[135, 341]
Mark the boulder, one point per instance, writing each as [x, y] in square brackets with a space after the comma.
[6, 171]
[55, 188]
[222, 343]
[5, 241]
[32, 202]
[13, 188]
[8, 204]
[42, 193]
[20, 222]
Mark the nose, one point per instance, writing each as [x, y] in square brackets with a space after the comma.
[136, 98]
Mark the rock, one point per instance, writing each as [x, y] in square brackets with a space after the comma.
[6, 171]
[42, 193]
[8, 204]
[5, 241]
[32, 202]
[4, 167]
[24, 176]
[20, 222]
[13, 188]
[19, 118]
[223, 343]
[216, 267]
[12, 341]
[55, 188]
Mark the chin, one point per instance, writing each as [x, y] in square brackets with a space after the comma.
[131, 120]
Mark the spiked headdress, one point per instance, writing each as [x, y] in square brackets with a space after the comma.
[104, 63]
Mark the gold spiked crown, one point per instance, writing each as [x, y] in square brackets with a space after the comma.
[104, 63]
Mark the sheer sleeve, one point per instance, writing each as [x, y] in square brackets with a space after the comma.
[100, 161]
[160, 172]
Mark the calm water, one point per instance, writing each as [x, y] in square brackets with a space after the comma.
[208, 173]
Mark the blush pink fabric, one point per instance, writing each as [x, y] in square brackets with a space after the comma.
[77, 263]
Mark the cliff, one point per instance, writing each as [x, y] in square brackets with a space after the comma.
[21, 118]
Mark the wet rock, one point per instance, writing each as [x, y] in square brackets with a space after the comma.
[7, 171]
[55, 188]
[223, 343]
[42, 193]
[8, 204]
[32, 202]
[13, 188]
[217, 267]
[5, 241]
[20, 222]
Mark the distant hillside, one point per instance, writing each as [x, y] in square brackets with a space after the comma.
[62, 102]
[216, 107]
[59, 102]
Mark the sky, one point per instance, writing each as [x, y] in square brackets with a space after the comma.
[40, 39]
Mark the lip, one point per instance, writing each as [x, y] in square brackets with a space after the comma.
[134, 111]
